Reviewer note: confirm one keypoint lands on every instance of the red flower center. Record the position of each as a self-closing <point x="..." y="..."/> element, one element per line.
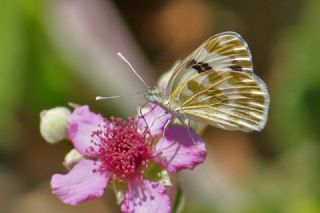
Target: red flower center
<point x="121" y="149"/>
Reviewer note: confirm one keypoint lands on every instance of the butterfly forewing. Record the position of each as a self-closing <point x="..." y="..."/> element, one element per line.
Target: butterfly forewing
<point x="215" y="84"/>
<point x="226" y="51"/>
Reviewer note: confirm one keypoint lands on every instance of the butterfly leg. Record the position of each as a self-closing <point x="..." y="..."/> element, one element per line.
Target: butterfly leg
<point x="153" y="122"/>
<point x="187" y="123"/>
<point x="155" y="119"/>
<point x="166" y="126"/>
<point x="158" y="117"/>
<point x="141" y="115"/>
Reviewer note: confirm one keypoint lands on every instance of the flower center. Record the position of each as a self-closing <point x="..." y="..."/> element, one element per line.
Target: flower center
<point x="121" y="149"/>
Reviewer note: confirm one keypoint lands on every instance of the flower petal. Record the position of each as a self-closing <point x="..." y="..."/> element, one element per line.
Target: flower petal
<point x="80" y="184"/>
<point x="146" y="196"/>
<point x="81" y="124"/>
<point x="155" y="119"/>
<point x="178" y="151"/>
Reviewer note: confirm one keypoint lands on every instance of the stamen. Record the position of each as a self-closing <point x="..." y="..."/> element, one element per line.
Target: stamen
<point x="121" y="149"/>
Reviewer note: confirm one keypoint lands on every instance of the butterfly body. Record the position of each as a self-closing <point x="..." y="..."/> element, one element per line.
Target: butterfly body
<point x="216" y="85"/>
<point x="157" y="97"/>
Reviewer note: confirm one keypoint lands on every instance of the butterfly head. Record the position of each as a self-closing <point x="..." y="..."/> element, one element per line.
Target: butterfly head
<point x="154" y="95"/>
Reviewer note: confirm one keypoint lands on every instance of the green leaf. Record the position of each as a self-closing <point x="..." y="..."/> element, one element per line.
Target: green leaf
<point x="11" y="70"/>
<point x="158" y="174"/>
<point x="179" y="200"/>
<point x="119" y="189"/>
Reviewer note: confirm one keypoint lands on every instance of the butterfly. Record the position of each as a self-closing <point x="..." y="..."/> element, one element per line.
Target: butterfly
<point x="216" y="85"/>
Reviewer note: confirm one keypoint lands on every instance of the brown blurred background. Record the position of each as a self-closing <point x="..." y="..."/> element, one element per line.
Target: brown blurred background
<point x="56" y="51"/>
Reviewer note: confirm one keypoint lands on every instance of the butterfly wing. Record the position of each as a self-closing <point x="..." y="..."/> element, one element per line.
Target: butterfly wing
<point x="227" y="99"/>
<point x="226" y="51"/>
<point x="216" y="84"/>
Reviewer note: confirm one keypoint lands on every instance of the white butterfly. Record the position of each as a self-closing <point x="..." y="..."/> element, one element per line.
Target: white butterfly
<point x="216" y="85"/>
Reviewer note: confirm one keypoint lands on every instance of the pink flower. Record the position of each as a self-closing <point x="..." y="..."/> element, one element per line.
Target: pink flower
<point x="122" y="151"/>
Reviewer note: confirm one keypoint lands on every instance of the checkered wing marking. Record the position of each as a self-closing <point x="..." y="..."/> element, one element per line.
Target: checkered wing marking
<point x="227" y="99"/>
<point x="226" y="51"/>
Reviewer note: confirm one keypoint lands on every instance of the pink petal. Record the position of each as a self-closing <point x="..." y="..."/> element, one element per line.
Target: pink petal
<point x="146" y="196"/>
<point x="81" y="124"/>
<point x="178" y="151"/>
<point x="154" y="120"/>
<point x="80" y="184"/>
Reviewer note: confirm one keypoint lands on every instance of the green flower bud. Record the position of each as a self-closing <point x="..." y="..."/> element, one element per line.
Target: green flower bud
<point x="164" y="78"/>
<point x="72" y="158"/>
<point x="53" y="124"/>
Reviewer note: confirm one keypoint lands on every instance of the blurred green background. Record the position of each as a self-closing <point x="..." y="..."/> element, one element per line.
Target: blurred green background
<point x="53" y="52"/>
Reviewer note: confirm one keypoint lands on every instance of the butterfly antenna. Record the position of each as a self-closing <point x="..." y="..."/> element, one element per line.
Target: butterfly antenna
<point x="133" y="70"/>
<point x="98" y="98"/>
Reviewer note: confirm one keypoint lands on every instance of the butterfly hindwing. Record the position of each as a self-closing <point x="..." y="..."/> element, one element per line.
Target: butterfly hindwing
<point x="228" y="99"/>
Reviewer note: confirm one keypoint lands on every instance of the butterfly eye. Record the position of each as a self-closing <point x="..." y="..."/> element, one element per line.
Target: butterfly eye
<point x="154" y="95"/>
<point x="151" y="97"/>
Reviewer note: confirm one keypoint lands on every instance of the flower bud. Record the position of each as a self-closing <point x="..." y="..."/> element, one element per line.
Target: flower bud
<point x="53" y="124"/>
<point x="165" y="77"/>
<point x="72" y="158"/>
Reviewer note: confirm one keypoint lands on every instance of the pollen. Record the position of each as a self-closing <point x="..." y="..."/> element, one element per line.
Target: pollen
<point x="122" y="150"/>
